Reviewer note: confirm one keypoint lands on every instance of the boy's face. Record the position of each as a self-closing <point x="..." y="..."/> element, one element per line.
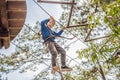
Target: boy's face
<point x="51" y="23"/>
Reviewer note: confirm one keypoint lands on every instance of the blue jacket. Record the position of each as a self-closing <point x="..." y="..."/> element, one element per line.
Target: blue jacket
<point x="46" y="32"/>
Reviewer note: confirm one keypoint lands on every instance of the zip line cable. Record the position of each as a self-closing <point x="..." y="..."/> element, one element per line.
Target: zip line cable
<point x="74" y="36"/>
<point x="30" y="28"/>
<point x="39" y="34"/>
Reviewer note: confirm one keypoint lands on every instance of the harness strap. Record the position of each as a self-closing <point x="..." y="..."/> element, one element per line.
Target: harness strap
<point x="52" y="36"/>
<point x="58" y="36"/>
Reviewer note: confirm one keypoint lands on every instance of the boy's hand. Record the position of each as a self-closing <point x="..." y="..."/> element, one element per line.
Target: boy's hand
<point x="64" y="27"/>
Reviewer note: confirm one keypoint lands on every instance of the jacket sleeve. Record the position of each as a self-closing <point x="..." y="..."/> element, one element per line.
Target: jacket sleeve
<point x="43" y="23"/>
<point x="59" y="33"/>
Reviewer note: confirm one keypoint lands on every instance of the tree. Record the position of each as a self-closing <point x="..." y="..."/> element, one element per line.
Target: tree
<point x="102" y="54"/>
<point x="105" y="16"/>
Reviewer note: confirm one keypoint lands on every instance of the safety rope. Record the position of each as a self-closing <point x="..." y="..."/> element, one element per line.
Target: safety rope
<point x="39" y="34"/>
<point x="30" y="28"/>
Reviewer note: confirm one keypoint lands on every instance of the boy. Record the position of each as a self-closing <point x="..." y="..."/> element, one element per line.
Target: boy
<point x="54" y="48"/>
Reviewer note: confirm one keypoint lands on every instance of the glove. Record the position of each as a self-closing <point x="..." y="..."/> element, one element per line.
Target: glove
<point x="64" y="27"/>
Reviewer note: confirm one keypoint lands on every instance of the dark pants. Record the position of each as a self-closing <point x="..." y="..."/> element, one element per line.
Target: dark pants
<point x="55" y="49"/>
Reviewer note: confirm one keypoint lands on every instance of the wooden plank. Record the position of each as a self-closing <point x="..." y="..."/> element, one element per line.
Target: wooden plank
<point x="12" y="37"/>
<point x="16" y="20"/>
<point x="15" y="27"/>
<point x="54" y="2"/>
<point x="97" y="38"/>
<point x="20" y="10"/>
<point x="16" y="5"/>
<point x="16" y="15"/>
<point x="16" y="23"/>
<point x="14" y="31"/>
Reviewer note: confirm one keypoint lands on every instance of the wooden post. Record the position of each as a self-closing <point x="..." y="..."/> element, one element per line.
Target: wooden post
<point x="70" y="14"/>
<point x="54" y="2"/>
<point x="97" y="38"/>
<point x="77" y="25"/>
<point x="4" y="15"/>
<point x="88" y="34"/>
<point x="1" y="43"/>
<point x="6" y="42"/>
<point x="4" y="31"/>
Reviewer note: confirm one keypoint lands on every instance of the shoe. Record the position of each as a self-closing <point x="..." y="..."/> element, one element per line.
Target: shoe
<point x="55" y="68"/>
<point x="66" y="68"/>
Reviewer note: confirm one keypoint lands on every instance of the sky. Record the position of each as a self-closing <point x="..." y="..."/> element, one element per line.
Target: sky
<point x="34" y="13"/>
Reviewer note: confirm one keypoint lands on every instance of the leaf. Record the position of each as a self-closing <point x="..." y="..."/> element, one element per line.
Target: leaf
<point x="80" y="54"/>
<point x="94" y="57"/>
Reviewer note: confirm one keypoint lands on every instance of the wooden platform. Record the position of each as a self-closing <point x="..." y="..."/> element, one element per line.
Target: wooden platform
<point x="12" y="18"/>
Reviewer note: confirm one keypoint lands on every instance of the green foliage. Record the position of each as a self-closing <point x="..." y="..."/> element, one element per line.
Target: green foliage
<point x="102" y="51"/>
<point x="68" y="77"/>
<point x="2" y="69"/>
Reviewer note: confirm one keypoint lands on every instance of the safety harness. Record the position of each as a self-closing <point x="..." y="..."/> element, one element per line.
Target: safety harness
<point x="53" y="36"/>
